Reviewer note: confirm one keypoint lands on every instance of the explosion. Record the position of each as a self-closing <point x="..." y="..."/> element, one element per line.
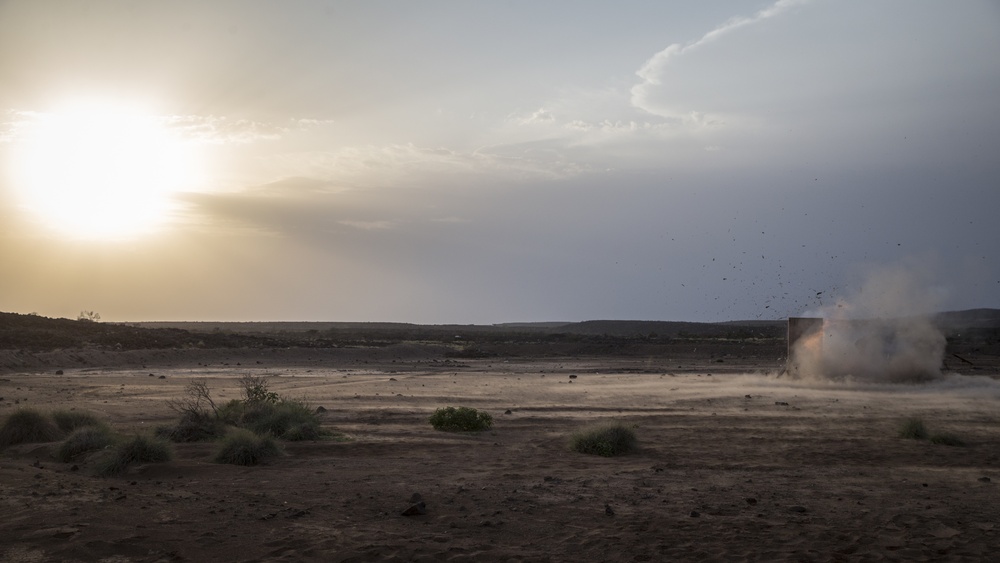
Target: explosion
<point x="870" y="337"/>
<point x="899" y="350"/>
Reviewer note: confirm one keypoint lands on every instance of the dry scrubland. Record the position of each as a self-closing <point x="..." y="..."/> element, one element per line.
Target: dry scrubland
<point x="734" y="462"/>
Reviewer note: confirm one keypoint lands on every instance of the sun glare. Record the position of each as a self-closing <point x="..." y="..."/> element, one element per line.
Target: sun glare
<point x="100" y="173"/>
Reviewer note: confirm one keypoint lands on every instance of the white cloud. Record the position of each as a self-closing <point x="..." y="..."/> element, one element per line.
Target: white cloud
<point x="654" y="71"/>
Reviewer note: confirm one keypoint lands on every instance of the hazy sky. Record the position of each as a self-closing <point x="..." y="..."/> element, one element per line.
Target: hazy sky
<point x="480" y="162"/>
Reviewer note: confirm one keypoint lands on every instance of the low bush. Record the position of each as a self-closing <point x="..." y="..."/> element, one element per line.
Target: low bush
<point x="947" y="440"/>
<point x="25" y="426"/>
<point x="139" y="449"/>
<point x="193" y="427"/>
<point x="608" y="439"/>
<point x="256" y="389"/>
<point x="242" y="447"/>
<point x="277" y="419"/>
<point x="84" y="440"/>
<point x="303" y="431"/>
<point x="913" y="429"/>
<point x="461" y="419"/>
<point x="231" y="412"/>
<point x="68" y="421"/>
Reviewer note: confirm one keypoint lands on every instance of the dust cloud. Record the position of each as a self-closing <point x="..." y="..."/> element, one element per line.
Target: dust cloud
<point x="882" y="334"/>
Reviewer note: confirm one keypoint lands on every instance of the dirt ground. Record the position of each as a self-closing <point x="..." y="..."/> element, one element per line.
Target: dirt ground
<point x="735" y="464"/>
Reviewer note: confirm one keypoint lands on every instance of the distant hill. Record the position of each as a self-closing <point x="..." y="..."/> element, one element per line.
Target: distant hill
<point x="971" y="318"/>
<point x="33" y="332"/>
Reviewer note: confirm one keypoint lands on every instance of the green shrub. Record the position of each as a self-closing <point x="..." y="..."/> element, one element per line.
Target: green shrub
<point x="608" y="439"/>
<point x="139" y="449"/>
<point x="68" y="421"/>
<point x="913" y="429"/>
<point x="193" y="426"/>
<point x="84" y="440"/>
<point x="255" y="389"/>
<point x="947" y="440"/>
<point x="277" y="419"/>
<point x="461" y="419"/>
<point x="302" y="431"/>
<point x="25" y="426"/>
<point x="231" y="412"/>
<point x="243" y="447"/>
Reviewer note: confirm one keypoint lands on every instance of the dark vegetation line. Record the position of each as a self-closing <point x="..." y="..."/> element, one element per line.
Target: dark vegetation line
<point x="39" y="334"/>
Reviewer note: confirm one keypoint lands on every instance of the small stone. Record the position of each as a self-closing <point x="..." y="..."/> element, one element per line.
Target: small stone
<point x="781" y="403"/>
<point x="320" y="409"/>
<point x="572" y="376"/>
<point x="162" y="377"/>
<point x="695" y="514"/>
<point x="59" y="372"/>
<point x="797" y="508"/>
<point x="751" y="501"/>
<point x="608" y="510"/>
<point x="507" y="412"/>
<point x="416" y="509"/>
<point x="984" y="479"/>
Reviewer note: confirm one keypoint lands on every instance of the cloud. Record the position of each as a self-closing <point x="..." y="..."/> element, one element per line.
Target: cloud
<point x="206" y="128"/>
<point x="222" y="129"/>
<point x="653" y="72"/>
<point x="367" y="225"/>
<point x="410" y="165"/>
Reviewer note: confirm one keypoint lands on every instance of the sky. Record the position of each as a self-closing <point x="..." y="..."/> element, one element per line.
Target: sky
<point x="487" y="162"/>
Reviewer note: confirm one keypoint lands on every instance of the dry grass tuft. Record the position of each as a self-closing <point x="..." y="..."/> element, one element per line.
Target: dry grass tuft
<point x="139" y="449"/>
<point x="242" y="447"/>
<point x="608" y="439"/>
<point x="26" y="426"/>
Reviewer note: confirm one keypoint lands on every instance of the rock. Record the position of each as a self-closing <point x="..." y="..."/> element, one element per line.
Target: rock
<point x="416" y="509"/>
<point x="751" y="501"/>
<point x="608" y="510"/>
<point x="507" y="412"/>
<point x="797" y="508"/>
<point x="984" y="479"/>
<point x="320" y="409"/>
<point x="695" y="514"/>
<point x="781" y="403"/>
<point x="572" y="376"/>
<point x="59" y="372"/>
<point x="162" y="377"/>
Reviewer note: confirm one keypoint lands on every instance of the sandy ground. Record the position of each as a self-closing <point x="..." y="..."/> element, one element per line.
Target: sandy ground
<point x="735" y="465"/>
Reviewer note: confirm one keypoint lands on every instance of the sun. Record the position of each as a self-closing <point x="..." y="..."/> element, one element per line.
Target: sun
<point x="100" y="172"/>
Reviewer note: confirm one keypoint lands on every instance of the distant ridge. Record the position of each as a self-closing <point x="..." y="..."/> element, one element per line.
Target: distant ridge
<point x="34" y="332"/>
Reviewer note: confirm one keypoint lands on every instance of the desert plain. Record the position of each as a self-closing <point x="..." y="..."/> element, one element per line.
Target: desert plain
<point x="736" y="462"/>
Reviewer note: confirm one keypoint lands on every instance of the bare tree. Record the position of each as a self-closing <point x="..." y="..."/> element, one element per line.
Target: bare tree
<point x="198" y="397"/>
